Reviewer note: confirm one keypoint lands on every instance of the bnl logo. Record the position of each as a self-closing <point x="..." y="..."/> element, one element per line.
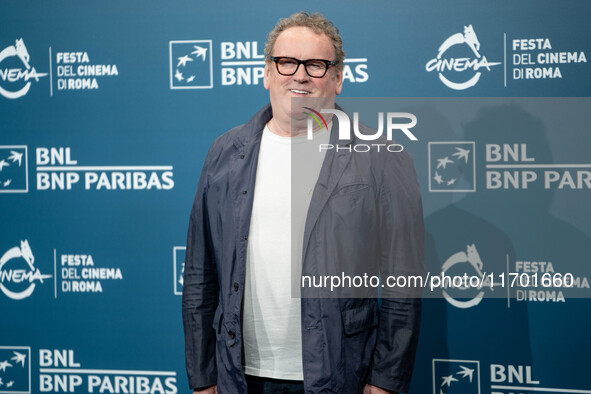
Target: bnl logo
<point x="179" y="268"/>
<point x="14" y="177"/>
<point x="452" y="167"/>
<point x="15" y="369"/>
<point x="456" y="376"/>
<point x="191" y="64"/>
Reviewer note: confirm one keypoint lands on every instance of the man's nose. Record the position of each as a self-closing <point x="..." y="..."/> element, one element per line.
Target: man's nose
<point x="301" y="74"/>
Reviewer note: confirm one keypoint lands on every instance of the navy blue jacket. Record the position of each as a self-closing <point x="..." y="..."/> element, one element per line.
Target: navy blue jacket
<point x="365" y="208"/>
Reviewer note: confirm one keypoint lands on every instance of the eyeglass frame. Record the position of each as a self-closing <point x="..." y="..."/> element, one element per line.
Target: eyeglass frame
<point x="328" y="63"/>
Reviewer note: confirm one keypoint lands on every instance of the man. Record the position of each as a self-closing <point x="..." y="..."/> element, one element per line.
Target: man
<point x="244" y="331"/>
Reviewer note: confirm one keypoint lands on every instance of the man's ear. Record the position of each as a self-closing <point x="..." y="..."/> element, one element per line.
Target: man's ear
<point x="267" y="76"/>
<point x="339" y="86"/>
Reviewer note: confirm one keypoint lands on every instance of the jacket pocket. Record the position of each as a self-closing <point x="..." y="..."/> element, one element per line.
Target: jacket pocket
<point x="350" y="188"/>
<point x="217" y="319"/>
<point x="360" y="319"/>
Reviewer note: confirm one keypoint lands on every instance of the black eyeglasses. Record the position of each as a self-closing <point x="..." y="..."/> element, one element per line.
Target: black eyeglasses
<point x="316" y="68"/>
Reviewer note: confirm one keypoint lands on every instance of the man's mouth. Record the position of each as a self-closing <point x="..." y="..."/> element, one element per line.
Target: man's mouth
<point x="296" y="91"/>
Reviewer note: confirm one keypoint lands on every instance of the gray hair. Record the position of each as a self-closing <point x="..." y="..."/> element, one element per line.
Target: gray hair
<point x="318" y="23"/>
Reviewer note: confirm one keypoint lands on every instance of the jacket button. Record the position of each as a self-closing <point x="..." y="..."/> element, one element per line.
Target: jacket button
<point x="246" y="237"/>
<point x="242" y="156"/>
<point x="243" y="191"/>
<point x="231" y="334"/>
<point x="235" y="286"/>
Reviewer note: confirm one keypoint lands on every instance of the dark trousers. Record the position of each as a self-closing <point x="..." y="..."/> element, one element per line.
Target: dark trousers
<point x="258" y="385"/>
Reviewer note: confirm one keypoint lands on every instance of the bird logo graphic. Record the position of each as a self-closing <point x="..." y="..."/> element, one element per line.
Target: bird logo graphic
<point x="13" y="171"/>
<point x="199" y="52"/>
<point x="456" y="377"/>
<point x="4" y="364"/>
<point x="451" y="166"/>
<point x="19" y="358"/>
<point x="15" y="369"/>
<point x="190" y="64"/>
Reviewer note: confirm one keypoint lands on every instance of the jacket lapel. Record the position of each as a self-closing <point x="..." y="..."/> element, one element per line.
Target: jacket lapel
<point x="242" y="178"/>
<point x="332" y="169"/>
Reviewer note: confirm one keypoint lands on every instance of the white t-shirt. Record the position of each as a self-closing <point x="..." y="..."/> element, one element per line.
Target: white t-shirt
<point x="272" y="317"/>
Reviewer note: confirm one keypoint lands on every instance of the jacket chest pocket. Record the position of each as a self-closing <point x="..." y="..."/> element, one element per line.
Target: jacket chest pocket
<point x="351" y="210"/>
<point x="350" y="197"/>
<point x="351" y="190"/>
<point x="359" y="319"/>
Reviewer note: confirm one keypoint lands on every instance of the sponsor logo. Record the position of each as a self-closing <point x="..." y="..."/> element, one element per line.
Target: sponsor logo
<point x="18" y="274"/>
<point x="511" y="167"/>
<point x="456" y="376"/>
<point x="452" y="167"/>
<point x="16" y="73"/>
<point x="463" y="377"/>
<point x="58" y="170"/>
<point x="316" y="118"/>
<point x="178" y="268"/>
<point x="14" y="175"/>
<point x="59" y="372"/>
<point x="15" y="369"/>
<point x="445" y="64"/>
<point x="240" y="63"/>
<point x="191" y="64"/>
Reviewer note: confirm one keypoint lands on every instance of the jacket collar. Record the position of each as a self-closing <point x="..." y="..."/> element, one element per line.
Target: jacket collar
<point x="254" y="128"/>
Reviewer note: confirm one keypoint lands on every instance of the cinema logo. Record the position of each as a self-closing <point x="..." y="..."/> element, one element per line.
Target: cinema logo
<point x="465" y="294"/>
<point x="58" y="170"/>
<point x="448" y="65"/>
<point x="316" y="120"/>
<point x="18" y="274"/>
<point x="16" y="72"/>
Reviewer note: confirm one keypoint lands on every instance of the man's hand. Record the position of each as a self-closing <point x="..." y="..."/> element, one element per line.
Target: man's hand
<point x="208" y="390"/>
<point x="369" y="389"/>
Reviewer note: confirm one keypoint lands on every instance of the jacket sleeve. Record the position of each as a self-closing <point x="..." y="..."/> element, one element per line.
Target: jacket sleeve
<point x="402" y="254"/>
<point x="200" y="293"/>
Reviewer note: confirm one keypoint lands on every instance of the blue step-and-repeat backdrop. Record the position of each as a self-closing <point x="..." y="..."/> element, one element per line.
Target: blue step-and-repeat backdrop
<point x="107" y="110"/>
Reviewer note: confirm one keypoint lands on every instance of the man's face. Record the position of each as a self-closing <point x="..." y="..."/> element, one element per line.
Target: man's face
<point x="304" y="44"/>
